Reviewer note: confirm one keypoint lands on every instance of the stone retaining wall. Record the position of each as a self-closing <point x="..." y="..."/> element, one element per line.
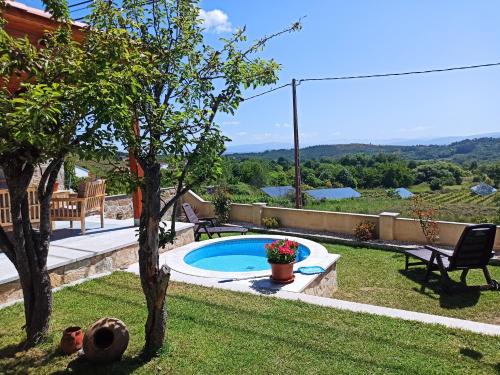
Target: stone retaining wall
<point x="94" y="265"/>
<point x="325" y="284"/>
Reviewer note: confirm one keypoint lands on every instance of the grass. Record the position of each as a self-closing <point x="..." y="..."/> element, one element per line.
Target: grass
<point x="377" y="277"/>
<point x="214" y="331"/>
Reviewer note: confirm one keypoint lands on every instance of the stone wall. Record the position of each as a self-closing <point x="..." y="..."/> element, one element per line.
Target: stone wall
<point x="120" y="206"/>
<point x="325" y="284"/>
<point x="94" y="265"/>
<point x="37" y="176"/>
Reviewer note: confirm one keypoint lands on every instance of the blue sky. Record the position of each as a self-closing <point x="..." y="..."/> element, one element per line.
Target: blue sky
<point x="363" y="37"/>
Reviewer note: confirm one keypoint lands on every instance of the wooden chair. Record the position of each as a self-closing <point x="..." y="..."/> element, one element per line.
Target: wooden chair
<point x="76" y="207"/>
<point x="5" y="216"/>
<point x="473" y="251"/>
<point x="207" y="225"/>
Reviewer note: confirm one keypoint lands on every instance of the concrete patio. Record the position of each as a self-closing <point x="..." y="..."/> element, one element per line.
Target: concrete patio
<point x="73" y="256"/>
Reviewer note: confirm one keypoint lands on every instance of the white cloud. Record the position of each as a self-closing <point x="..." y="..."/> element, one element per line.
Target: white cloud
<point x="230" y="123"/>
<point x="241" y="134"/>
<point x="414" y="129"/>
<point x="284" y="125"/>
<point x="308" y="135"/>
<point x="216" y="21"/>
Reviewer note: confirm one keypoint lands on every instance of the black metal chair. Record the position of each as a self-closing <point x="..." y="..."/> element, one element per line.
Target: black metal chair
<point x="207" y="225"/>
<point x="473" y="251"/>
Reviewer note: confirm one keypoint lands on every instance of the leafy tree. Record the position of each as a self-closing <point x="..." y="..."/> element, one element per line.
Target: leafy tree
<point x="254" y="172"/>
<point x="182" y="83"/>
<point x="436" y="184"/>
<point x="396" y="175"/>
<point x="308" y="177"/>
<point x="448" y="173"/>
<point x="65" y="100"/>
<point x="493" y="172"/>
<point x="346" y="179"/>
<point x="285" y="163"/>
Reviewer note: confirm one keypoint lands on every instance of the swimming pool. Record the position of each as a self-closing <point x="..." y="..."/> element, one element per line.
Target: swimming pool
<point x="237" y="256"/>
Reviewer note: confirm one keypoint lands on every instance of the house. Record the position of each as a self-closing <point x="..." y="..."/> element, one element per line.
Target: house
<point x="37" y="175"/>
<point x="483" y="189"/>
<point x="278" y="191"/>
<point x="81" y="172"/>
<point x="334" y="193"/>
<point x="403" y="193"/>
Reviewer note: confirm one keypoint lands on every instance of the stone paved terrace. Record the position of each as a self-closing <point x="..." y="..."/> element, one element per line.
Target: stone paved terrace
<point x="73" y="256"/>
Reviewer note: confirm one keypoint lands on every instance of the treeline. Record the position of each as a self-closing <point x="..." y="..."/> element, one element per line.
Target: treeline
<point x="479" y="149"/>
<point x="357" y="171"/>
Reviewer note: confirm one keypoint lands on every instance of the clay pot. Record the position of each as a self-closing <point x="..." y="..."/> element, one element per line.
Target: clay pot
<point x="56" y="186"/>
<point x="282" y="273"/>
<point x="71" y="340"/>
<point x="106" y="340"/>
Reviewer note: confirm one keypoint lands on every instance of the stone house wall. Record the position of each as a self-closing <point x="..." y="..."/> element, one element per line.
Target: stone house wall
<point x="120" y="206"/>
<point x="37" y="176"/>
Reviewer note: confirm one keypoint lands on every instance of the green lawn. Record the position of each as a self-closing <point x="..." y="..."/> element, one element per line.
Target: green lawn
<point x="214" y="331"/>
<point x="377" y="277"/>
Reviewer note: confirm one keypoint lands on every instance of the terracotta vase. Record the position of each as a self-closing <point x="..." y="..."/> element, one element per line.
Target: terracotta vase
<point x="106" y="340"/>
<point x="56" y="186"/>
<point x="282" y="272"/>
<point x="72" y="340"/>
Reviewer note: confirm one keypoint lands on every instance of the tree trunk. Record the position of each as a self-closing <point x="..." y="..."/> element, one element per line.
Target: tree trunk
<point x="30" y="250"/>
<point x="154" y="280"/>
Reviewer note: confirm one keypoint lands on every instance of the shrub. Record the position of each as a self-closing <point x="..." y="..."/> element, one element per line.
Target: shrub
<point x="421" y="211"/>
<point x="436" y="184"/>
<point x="365" y="231"/>
<point x="392" y="193"/>
<point x="271" y="222"/>
<point x="222" y="204"/>
<point x="282" y="251"/>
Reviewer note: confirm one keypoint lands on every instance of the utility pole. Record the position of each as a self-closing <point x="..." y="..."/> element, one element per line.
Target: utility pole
<point x="298" y="194"/>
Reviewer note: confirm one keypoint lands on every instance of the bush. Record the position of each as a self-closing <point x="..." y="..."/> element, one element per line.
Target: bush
<point x="436" y="184"/>
<point x="425" y="214"/>
<point x="271" y="222"/>
<point x="222" y="204"/>
<point x="365" y="231"/>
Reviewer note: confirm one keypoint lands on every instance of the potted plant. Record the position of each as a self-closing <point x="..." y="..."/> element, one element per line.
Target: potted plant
<point x="281" y="254"/>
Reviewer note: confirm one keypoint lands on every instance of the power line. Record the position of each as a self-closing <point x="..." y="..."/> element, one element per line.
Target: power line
<point x="80" y="3"/>
<point x="268" y="91"/>
<point x="401" y="73"/>
<point x="81" y="18"/>
<point x="79" y="9"/>
<point x="377" y="76"/>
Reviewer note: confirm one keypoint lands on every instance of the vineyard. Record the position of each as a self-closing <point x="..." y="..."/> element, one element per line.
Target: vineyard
<point x="460" y="197"/>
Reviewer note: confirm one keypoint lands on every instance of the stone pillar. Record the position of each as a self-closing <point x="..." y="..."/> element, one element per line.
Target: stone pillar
<point x="386" y="225"/>
<point x="257" y="212"/>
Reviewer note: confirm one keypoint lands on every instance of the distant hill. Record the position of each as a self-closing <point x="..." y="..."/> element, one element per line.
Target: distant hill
<point x="239" y="149"/>
<point x="480" y="149"/>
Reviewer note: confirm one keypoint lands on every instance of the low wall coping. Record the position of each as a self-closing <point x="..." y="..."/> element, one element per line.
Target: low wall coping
<point x="389" y="214"/>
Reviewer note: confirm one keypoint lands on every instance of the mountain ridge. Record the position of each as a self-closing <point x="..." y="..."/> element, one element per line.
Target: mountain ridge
<point x="480" y="149"/>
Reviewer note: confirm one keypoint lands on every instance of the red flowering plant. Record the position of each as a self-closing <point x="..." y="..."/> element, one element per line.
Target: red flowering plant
<point x="282" y="251"/>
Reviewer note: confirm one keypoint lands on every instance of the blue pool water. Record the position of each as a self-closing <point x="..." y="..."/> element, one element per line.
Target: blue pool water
<point x="242" y="255"/>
